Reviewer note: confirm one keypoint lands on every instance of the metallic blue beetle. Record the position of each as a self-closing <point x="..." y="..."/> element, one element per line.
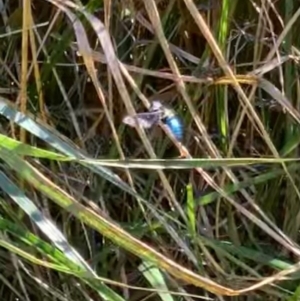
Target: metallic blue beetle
<point x="157" y="112"/>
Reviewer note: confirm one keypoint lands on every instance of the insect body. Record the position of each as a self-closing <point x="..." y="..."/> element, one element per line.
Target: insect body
<point x="158" y="112"/>
<point x="170" y="119"/>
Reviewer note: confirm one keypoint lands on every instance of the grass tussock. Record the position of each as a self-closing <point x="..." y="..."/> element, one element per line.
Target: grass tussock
<point x="94" y="209"/>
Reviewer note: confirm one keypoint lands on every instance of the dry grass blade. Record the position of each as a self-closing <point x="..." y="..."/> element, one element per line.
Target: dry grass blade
<point x="279" y="97"/>
<point x="115" y="69"/>
<point x="86" y="51"/>
<point x="152" y="11"/>
<point x="277" y="277"/>
<point x="283" y="35"/>
<point x="154" y="16"/>
<point x="285" y="241"/>
<point x="37" y="75"/>
<point x="113" y="63"/>
<point x="245" y="101"/>
<point x="151" y="224"/>
<point x="99" y="57"/>
<point x="25" y="45"/>
<point x="269" y="66"/>
<point x="108" y="228"/>
<point x="223" y="64"/>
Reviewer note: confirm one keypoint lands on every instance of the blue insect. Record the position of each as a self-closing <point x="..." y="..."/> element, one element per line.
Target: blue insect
<point x="157" y="112"/>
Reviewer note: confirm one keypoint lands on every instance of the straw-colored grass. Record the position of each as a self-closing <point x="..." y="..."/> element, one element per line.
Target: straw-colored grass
<point x="93" y="209"/>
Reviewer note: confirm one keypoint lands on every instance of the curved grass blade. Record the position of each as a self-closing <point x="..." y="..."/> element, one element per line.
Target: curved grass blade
<point x="58" y="142"/>
<point x="233" y="188"/>
<point x="291" y="144"/>
<point x="26" y="237"/>
<point x="158" y="164"/>
<point x="107" y="228"/>
<point x="45" y="225"/>
<point x="113" y="232"/>
<point x="279" y="97"/>
<point x="22" y="149"/>
<point x="155" y="277"/>
<point x="61" y="262"/>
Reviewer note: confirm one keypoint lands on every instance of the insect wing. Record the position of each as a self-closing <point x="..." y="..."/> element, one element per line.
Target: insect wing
<point x="156" y="106"/>
<point x="145" y="120"/>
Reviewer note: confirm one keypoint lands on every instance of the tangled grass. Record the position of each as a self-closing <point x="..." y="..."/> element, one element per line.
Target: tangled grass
<point x="92" y="209"/>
